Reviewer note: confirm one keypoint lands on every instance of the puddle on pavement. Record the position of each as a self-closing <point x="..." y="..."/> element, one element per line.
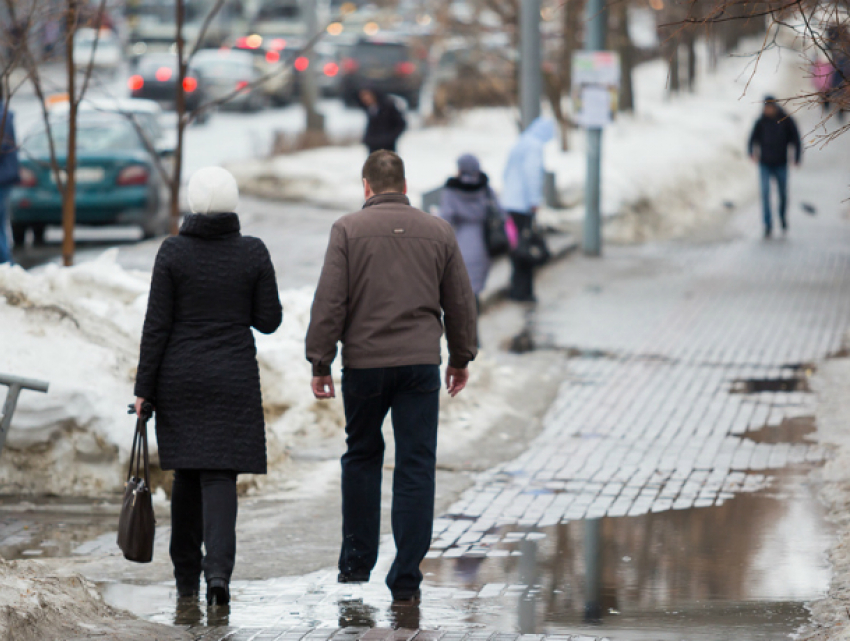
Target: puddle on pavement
<point x="43" y="527"/>
<point x="742" y="570"/>
<point x="790" y="430"/>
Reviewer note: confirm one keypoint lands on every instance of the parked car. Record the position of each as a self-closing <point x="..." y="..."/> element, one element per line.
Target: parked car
<point x="385" y="66"/>
<point x="117" y="182"/>
<point x="270" y="58"/>
<point x="156" y="79"/>
<point x="226" y="70"/>
<point x="105" y="56"/>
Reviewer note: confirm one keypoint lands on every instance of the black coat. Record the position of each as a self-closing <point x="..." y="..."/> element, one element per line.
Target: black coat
<point x="198" y="361"/>
<point x="773" y="136"/>
<point x="385" y="126"/>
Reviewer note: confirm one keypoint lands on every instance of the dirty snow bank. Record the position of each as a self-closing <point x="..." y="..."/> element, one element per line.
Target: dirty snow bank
<point x="37" y="604"/>
<point x="666" y="168"/>
<point x="79" y="329"/>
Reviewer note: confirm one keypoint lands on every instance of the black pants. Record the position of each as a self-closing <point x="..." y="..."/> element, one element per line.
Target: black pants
<point x="522" y="278"/>
<point x="203" y="512"/>
<point x="412" y="393"/>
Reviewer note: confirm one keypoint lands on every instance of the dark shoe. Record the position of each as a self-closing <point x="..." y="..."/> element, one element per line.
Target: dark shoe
<point x="767" y="232"/>
<point x="410" y="598"/>
<point x="188" y="591"/>
<point x="218" y="592"/>
<point x="353" y="577"/>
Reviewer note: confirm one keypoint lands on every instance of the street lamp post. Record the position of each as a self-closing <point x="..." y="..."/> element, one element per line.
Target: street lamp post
<point x="530" y="78"/>
<point x="597" y="23"/>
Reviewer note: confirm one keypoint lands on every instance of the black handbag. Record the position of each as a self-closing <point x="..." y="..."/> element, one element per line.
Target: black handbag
<point x="495" y="236"/>
<point x="531" y="249"/>
<point x="136" y="525"/>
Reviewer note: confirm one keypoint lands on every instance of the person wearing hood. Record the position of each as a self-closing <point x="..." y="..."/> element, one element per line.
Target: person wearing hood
<point x="772" y="134"/>
<point x="464" y="203"/>
<point x="522" y="193"/>
<point x="198" y="368"/>
<point x="385" y="123"/>
<point x="9" y="177"/>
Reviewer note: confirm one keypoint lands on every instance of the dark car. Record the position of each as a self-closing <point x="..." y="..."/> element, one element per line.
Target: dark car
<point x="117" y="181"/>
<point x="156" y="79"/>
<point x="384" y="66"/>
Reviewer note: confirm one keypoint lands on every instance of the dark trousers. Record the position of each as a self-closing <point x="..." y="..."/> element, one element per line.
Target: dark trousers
<point x="522" y="278"/>
<point x="412" y="393"/>
<point x="203" y="512"/>
<point x="780" y="175"/>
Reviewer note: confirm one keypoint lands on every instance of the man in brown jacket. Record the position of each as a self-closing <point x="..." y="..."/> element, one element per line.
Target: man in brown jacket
<point x="393" y="276"/>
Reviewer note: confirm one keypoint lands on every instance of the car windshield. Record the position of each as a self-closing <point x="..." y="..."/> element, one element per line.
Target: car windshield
<point x="223" y="68"/>
<point x="149" y="64"/>
<point x="91" y="137"/>
<point x="279" y="11"/>
<point x="380" y="54"/>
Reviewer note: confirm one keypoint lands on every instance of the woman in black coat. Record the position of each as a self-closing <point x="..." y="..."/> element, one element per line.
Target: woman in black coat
<point x="198" y="367"/>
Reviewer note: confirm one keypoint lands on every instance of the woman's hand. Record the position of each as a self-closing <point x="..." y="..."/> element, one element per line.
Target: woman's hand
<point x="139" y="402"/>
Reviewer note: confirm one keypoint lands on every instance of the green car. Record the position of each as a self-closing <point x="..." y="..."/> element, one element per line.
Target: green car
<point x="117" y="181"/>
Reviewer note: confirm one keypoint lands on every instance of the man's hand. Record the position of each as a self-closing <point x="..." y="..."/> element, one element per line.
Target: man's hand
<point x="456" y="380"/>
<point x="323" y="387"/>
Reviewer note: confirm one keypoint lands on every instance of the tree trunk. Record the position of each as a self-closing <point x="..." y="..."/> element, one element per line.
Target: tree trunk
<point x="626" y="100"/>
<point x="673" y="65"/>
<point x="690" y="42"/>
<point x="180" y="107"/>
<point x="69" y="194"/>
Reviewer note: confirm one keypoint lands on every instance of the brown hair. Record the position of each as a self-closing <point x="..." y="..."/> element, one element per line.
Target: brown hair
<point x="384" y="171"/>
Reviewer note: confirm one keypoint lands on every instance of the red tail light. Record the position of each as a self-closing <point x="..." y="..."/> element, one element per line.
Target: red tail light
<point x="136" y="83"/>
<point x="350" y="65"/>
<point x="242" y="42"/>
<point x="272" y="56"/>
<point x="133" y="175"/>
<point x="28" y="178"/>
<point x="331" y="69"/>
<point x="405" y="68"/>
<point x="189" y="84"/>
<point x="163" y="74"/>
<point x="302" y="63"/>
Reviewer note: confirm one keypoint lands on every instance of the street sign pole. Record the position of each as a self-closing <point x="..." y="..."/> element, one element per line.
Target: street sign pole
<point x="530" y="79"/>
<point x="597" y="23"/>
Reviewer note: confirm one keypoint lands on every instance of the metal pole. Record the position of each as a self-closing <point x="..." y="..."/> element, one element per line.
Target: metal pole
<point x="309" y="87"/>
<point x="15" y="385"/>
<point x="530" y="78"/>
<point x="597" y="23"/>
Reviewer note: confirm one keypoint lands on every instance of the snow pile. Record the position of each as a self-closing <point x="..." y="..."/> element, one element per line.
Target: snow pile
<point x="665" y="167"/>
<point x="79" y="329"/>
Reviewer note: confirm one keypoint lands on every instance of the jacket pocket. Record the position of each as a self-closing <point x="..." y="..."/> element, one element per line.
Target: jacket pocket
<point x="363" y="383"/>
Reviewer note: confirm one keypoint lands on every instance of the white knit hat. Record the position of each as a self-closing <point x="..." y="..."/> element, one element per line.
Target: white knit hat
<point x="213" y="190"/>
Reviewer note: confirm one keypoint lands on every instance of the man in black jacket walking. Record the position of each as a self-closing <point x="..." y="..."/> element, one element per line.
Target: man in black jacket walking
<point x="772" y="134"/>
<point x="386" y="123"/>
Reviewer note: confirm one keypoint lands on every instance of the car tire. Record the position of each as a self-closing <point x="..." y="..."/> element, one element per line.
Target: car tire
<point x="19" y="234"/>
<point x="38" y="232"/>
<point x="413" y="101"/>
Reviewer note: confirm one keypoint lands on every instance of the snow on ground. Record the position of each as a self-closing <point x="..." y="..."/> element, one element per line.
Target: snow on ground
<point x="79" y="329"/>
<point x="668" y="164"/>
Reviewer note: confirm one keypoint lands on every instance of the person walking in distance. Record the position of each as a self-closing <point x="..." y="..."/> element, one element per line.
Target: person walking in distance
<point x="385" y="122"/>
<point x="392" y="277"/>
<point x="464" y="203"/>
<point x="522" y="193"/>
<point x="772" y="134"/>
<point x="198" y="367"/>
<point x="9" y="175"/>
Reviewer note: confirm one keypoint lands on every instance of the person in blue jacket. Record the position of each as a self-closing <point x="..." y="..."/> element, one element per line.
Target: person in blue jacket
<point x="8" y="176"/>
<point x="522" y="193"/>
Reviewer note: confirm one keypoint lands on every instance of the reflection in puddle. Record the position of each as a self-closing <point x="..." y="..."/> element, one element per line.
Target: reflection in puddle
<point x="741" y="570"/>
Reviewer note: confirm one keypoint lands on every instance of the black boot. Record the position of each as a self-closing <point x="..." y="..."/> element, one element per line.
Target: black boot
<point x="218" y="592"/>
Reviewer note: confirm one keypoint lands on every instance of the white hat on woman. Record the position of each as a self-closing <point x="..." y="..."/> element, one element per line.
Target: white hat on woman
<point x="213" y="190"/>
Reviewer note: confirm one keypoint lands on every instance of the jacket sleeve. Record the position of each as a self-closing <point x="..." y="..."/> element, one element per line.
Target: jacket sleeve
<point x="534" y="176"/>
<point x="754" y="138"/>
<point x="267" y="312"/>
<point x="447" y="211"/>
<point x="794" y="138"/>
<point x="330" y="305"/>
<point x="157" y="327"/>
<point x="459" y="310"/>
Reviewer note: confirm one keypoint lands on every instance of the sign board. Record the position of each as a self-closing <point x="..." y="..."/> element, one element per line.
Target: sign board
<point x="595" y="87"/>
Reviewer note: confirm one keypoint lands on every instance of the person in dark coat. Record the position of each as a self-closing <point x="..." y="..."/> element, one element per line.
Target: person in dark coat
<point x="772" y="134"/>
<point x="9" y="175"/>
<point x="385" y="122"/>
<point x="198" y="367"/>
<point x="464" y="203"/>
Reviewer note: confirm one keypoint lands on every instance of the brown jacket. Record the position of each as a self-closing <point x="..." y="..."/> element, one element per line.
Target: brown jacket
<point x="392" y="275"/>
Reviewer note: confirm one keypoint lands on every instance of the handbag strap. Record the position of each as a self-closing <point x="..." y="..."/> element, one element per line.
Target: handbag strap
<point x="140" y="443"/>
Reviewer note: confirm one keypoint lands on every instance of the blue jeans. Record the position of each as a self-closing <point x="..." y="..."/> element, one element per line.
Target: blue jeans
<point x="780" y="175"/>
<point x="5" y="249"/>
<point x="412" y="393"/>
